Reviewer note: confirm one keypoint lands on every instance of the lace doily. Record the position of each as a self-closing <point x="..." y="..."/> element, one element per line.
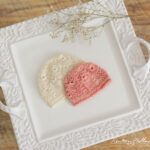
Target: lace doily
<point x="83" y="81"/>
<point x="52" y="76"/>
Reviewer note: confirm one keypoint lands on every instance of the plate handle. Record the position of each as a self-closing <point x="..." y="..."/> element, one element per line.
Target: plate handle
<point x="141" y="72"/>
<point x="15" y="111"/>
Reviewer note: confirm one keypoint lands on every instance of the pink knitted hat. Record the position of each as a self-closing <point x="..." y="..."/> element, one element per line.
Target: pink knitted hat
<point x="83" y="81"/>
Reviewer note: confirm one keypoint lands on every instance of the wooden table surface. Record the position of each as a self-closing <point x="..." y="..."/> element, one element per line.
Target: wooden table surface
<point x="13" y="11"/>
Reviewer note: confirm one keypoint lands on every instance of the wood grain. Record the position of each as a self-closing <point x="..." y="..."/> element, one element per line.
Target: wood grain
<point x="14" y="11"/>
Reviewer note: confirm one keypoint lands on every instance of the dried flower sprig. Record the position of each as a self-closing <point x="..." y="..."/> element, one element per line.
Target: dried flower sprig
<point x="84" y="22"/>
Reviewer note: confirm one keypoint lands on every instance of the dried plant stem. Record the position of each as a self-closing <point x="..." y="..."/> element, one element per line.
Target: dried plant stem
<point x="72" y="23"/>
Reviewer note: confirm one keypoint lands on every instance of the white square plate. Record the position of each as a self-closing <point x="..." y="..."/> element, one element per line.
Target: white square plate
<point x="114" y="111"/>
<point x="116" y="99"/>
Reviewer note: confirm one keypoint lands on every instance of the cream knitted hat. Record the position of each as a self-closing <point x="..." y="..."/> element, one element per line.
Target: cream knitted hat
<point x="52" y="75"/>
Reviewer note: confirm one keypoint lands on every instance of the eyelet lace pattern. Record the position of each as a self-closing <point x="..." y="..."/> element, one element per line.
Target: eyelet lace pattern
<point x="52" y="76"/>
<point x="83" y="81"/>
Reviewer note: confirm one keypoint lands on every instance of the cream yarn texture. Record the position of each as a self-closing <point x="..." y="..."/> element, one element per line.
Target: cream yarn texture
<point x="51" y="77"/>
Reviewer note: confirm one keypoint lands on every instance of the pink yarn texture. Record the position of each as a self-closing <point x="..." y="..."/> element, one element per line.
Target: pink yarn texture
<point x="83" y="81"/>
